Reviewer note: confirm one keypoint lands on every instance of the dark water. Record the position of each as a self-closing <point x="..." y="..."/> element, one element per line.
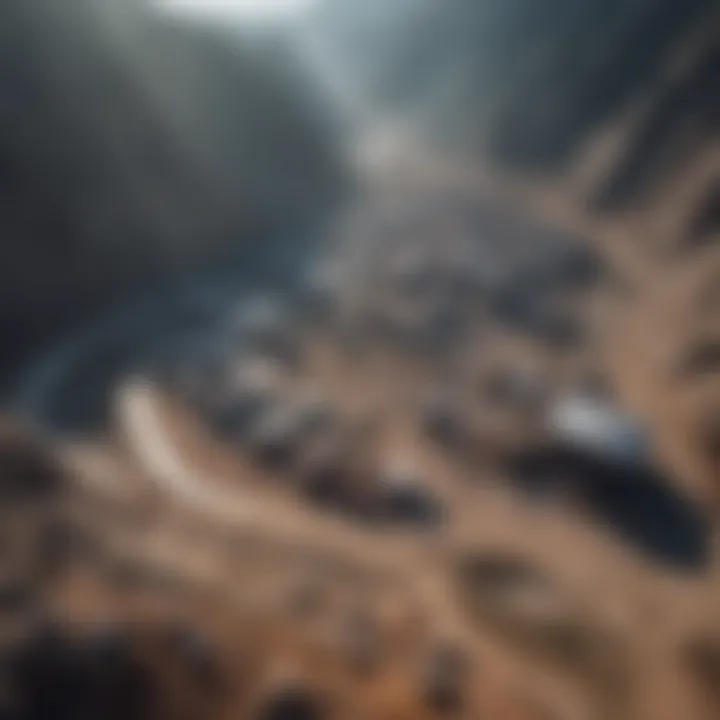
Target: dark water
<point x="635" y="502"/>
<point x="66" y="389"/>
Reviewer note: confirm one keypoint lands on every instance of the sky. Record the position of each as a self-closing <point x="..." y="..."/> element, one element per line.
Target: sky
<point x="240" y="10"/>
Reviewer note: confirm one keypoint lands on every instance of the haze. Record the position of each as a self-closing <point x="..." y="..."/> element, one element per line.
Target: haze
<point x="242" y="10"/>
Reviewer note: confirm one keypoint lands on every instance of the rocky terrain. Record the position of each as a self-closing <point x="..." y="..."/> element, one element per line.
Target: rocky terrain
<point x="409" y="487"/>
<point x="460" y="461"/>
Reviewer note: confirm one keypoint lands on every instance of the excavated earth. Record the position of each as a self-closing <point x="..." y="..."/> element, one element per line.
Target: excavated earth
<point x="344" y="499"/>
